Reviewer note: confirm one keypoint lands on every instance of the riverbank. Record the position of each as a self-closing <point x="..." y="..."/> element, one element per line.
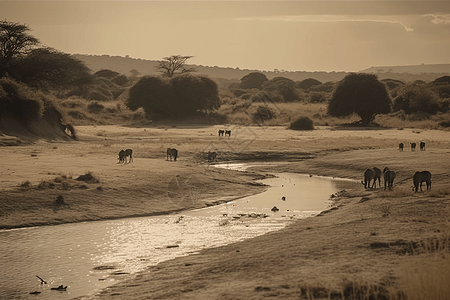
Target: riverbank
<point x="373" y="243"/>
<point x="362" y="242"/>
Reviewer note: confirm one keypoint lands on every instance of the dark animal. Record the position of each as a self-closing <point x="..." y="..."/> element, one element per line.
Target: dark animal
<point x="129" y="153"/>
<point x="400" y="147"/>
<point x="212" y="155"/>
<point x="59" y="288"/>
<point x="413" y="146"/>
<point x="422" y="146"/>
<point x="389" y="177"/>
<point x="172" y="152"/>
<point x="221" y="132"/>
<point x="419" y="178"/>
<point x="228" y="132"/>
<point x="377" y="176"/>
<point x="35" y="293"/>
<point x="274" y="209"/>
<point x="369" y="175"/>
<point x="121" y="156"/>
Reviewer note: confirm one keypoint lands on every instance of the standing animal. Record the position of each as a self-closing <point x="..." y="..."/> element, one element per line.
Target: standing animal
<point x="228" y="132"/>
<point x="389" y="177"/>
<point x="172" y="152"/>
<point x="369" y="175"/>
<point x="129" y="153"/>
<point x="413" y="146"/>
<point x="422" y="146"/>
<point x="221" y="132"/>
<point x="419" y="178"/>
<point x="121" y="156"/>
<point x="400" y="147"/>
<point x="212" y="155"/>
<point x="377" y="176"/>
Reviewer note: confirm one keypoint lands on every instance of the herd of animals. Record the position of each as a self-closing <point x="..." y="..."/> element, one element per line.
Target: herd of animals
<point x="413" y="146"/>
<point x="374" y="174"/>
<point x="171" y="152"/>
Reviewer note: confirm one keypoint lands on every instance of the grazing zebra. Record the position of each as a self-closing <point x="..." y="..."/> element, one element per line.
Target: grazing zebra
<point x="121" y="156"/>
<point x="221" y="132"/>
<point x="422" y="146"/>
<point x="377" y="176"/>
<point x="172" y="152"/>
<point x="212" y="155"/>
<point x="228" y="132"/>
<point x="400" y="147"/>
<point x="128" y="152"/>
<point x="413" y="146"/>
<point x="369" y="175"/>
<point x="389" y="177"/>
<point x="419" y="178"/>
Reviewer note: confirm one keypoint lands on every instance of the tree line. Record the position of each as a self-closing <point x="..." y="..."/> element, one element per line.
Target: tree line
<point x="179" y="91"/>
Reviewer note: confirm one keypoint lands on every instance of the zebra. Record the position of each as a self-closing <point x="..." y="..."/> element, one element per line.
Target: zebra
<point x="221" y="132"/>
<point x="369" y="175"/>
<point x="228" y="132"/>
<point x="422" y="146"/>
<point x="389" y="177"/>
<point x="123" y="154"/>
<point x="400" y="147"/>
<point x="172" y="152"/>
<point x="377" y="176"/>
<point x="419" y="178"/>
<point x="413" y="146"/>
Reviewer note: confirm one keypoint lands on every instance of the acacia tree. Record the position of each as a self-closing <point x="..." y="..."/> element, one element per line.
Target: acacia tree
<point x="360" y="93"/>
<point x="172" y="65"/>
<point x="14" y="41"/>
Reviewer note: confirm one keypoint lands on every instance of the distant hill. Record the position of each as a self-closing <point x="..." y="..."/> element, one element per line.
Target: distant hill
<point x="415" y="69"/>
<point x="124" y="65"/>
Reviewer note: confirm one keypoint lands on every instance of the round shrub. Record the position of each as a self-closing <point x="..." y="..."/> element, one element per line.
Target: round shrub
<point x="302" y="123"/>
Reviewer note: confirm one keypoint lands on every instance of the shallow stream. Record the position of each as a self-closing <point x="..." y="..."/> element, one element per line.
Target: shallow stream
<point x="87" y="257"/>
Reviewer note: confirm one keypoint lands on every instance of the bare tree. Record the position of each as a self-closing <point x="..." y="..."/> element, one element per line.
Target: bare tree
<point x="14" y="41"/>
<point x="175" y="64"/>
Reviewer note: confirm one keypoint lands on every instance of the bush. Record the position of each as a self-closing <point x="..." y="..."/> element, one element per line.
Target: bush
<point x="95" y="107"/>
<point x="302" y="123"/>
<point x="318" y="97"/>
<point x="417" y="97"/>
<point x="19" y="102"/>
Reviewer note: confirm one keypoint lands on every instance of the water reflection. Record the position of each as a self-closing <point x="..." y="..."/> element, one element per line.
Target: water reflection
<point x="90" y="256"/>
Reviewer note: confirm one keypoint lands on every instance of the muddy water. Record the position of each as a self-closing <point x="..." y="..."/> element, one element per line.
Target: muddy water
<point x="87" y="257"/>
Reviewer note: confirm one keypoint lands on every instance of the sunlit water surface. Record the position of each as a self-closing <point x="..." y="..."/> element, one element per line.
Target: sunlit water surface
<point x="87" y="257"/>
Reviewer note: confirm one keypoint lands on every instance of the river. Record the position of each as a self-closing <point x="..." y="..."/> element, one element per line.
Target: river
<point x="87" y="257"/>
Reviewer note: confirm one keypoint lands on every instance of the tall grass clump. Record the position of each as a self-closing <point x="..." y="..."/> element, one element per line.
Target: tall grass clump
<point x="426" y="274"/>
<point x="302" y="123"/>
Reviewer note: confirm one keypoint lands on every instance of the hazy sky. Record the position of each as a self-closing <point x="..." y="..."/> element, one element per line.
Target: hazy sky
<point x="264" y="35"/>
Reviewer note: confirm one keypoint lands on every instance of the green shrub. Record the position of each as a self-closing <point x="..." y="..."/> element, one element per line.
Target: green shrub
<point x="302" y="123"/>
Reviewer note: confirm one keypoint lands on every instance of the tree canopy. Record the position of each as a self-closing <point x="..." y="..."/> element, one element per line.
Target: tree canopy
<point x="360" y="93"/>
<point x="181" y="95"/>
<point x="14" y="41"/>
<point x="253" y="80"/>
<point x="173" y="65"/>
<point x="47" y="68"/>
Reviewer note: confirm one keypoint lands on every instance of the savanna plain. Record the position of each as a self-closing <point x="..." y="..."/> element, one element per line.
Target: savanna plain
<point x="370" y="244"/>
